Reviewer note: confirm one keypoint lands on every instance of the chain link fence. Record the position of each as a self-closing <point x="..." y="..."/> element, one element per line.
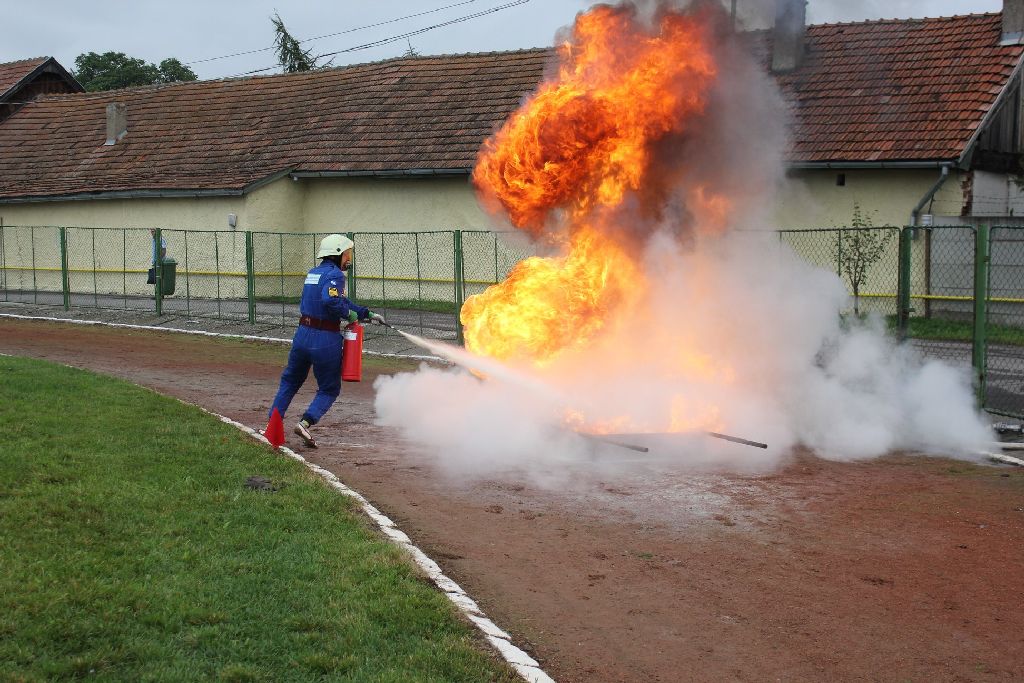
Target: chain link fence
<point x="940" y="317"/>
<point x="1003" y="377"/>
<point x="418" y="280"/>
<point x="866" y="259"/>
<point x="957" y="292"/>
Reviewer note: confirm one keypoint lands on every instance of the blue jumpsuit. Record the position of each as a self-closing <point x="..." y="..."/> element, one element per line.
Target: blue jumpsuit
<point x="323" y="297"/>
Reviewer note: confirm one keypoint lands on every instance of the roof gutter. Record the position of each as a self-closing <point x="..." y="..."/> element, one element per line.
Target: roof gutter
<point x="150" y="194"/>
<point x="811" y="165"/>
<point x="393" y="173"/>
<point x="929" y="195"/>
<point x="122" y="194"/>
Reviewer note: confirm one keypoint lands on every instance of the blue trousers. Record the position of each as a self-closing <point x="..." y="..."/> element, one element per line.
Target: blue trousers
<point x="320" y="350"/>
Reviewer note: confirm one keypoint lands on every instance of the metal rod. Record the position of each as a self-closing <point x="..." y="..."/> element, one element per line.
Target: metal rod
<point x="736" y="439"/>
<point x="714" y="435"/>
<point x="613" y="442"/>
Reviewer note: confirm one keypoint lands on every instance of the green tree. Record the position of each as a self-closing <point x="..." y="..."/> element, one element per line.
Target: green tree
<point x="173" y="71"/>
<point x="856" y="250"/>
<point x="113" y="70"/>
<point x="290" y="54"/>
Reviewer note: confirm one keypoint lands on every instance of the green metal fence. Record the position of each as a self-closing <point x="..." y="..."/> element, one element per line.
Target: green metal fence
<point x="957" y="292"/>
<point x="1001" y="320"/>
<point x="419" y="279"/>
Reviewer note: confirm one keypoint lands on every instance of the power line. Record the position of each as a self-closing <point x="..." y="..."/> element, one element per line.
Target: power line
<point x="331" y="35"/>
<point x="402" y="36"/>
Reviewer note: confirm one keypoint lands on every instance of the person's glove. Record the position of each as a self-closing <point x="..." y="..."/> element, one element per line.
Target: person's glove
<point x="353" y="317"/>
<point x="376" y="318"/>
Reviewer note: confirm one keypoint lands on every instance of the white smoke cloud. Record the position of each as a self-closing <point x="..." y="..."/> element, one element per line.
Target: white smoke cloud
<point x="774" y="363"/>
<point x="736" y="334"/>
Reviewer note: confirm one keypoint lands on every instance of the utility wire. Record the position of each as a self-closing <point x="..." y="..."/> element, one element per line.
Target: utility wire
<point x="402" y="36"/>
<point x="339" y="33"/>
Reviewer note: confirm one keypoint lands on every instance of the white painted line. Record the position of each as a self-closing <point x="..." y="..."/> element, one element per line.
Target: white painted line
<point x="524" y="664"/>
<point x="201" y="333"/>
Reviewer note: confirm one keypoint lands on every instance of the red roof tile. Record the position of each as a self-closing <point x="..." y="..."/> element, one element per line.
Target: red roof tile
<point x="900" y="90"/>
<point x="873" y="91"/>
<point x="11" y="73"/>
<point x="397" y="115"/>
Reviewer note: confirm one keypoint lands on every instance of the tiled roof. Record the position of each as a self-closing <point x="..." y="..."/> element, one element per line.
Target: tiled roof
<point x="11" y="73"/>
<point x="914" y="89"/>
<point x="901" y="90"/>
<point x="402" y="114"/>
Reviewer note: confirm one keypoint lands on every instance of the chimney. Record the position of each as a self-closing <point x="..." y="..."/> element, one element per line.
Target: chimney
<point x="788" y="34"/>
<point x="1013" y="22"/>
<point x="117" y="122"/>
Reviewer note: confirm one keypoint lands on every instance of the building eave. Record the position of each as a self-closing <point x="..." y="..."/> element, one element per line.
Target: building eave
<point x="968" y="152"/>
<point x="123" y="194"/>
<point x="391" y="173"/>
<point x="27" y="78"/>
<point x="168" y="193"/>
<point x="890" y="164"/>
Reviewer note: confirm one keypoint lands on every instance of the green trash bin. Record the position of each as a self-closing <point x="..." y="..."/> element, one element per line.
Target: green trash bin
<point x="168" y="275"/>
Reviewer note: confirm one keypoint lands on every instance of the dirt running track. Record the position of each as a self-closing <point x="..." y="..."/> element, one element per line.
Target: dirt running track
<point x="905" y="569"/>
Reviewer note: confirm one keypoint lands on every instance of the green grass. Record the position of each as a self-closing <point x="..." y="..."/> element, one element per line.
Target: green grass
<point x="953" y="330"/>
<point x="131" y="550"/>
<point x="426" y="306"/>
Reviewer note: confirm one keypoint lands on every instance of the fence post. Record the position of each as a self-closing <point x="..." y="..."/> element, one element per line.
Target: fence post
<point x="903" y="286"/>
<point x="3" y="260"/>
<point x="460" y="287"/>
<point x="65" y="282"/>
<point x="352" y="269"/>
<point x="158" y="268"/>
<point x="981" y="293"/>
<point x="250" y="277"/>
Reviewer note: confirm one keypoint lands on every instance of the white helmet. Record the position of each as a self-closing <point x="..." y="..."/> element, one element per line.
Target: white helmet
<point x="334" y="245"/>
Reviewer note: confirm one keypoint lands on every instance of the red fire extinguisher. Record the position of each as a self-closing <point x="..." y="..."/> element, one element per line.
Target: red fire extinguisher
<point x="352" y="354"/>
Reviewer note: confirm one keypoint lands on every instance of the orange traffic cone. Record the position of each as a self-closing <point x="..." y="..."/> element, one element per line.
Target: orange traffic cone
<point x="274" y="433"/>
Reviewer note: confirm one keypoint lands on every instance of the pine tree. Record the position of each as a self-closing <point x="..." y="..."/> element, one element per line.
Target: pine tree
<point x="290" y="54"/>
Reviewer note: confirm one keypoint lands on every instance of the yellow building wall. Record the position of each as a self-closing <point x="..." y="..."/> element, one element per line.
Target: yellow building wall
<point x="180" y="213"/>
<point x="279" y="206"/>
<point x="407" y="266"/>
<point x="212" y="255"/>
<point x="396" y="266"/>
<point x="392" y="204"/>
<point x="812" y="198"/>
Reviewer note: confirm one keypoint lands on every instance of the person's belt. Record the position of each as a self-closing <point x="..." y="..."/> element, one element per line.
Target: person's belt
<point x="318" y="324"/>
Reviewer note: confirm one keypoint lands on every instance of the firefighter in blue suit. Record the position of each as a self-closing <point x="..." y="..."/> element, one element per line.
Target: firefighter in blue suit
<point x="318" y="340"/>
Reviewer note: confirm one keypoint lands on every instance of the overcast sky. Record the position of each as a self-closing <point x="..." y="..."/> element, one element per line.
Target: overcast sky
<point x="193" y="30"/>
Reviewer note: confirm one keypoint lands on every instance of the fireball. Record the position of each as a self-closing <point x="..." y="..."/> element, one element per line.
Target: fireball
<point x="574" y="167"/>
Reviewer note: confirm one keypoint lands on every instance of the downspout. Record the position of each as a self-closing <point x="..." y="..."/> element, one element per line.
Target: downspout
<point x="916" y="213"/>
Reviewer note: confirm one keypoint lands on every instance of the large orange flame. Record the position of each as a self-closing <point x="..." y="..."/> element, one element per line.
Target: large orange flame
<point x="548" y="305"/>
<point x="569" y="159"/>
<point x="588" y="137"/>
